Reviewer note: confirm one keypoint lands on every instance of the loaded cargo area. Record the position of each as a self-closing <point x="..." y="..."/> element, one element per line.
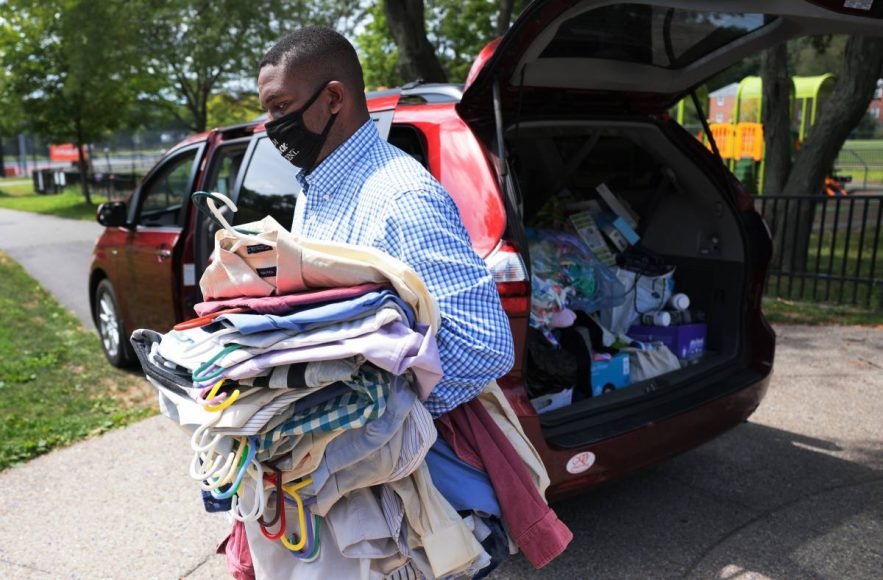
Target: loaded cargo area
<point x="637" y="266"/>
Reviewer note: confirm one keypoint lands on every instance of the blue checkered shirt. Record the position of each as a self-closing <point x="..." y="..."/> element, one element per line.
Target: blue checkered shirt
<point x="369" y="193"/>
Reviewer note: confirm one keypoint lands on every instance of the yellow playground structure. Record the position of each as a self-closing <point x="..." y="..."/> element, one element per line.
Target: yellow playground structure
<point x="741" y="140"/>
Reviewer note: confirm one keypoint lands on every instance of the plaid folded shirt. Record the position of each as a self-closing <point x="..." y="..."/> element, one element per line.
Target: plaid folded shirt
<point x="366" y="402"/>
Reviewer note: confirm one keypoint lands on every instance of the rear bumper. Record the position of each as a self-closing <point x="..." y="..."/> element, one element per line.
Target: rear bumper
<point x="619" y="456"/>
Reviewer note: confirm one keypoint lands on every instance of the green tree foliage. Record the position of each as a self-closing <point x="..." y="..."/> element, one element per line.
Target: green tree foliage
<point x="377" y="51"/>
<point x="69" y="63"/>
<point x="230" y="109"/>
<point x="458" y="29"/>
<point x="193" y="48"/>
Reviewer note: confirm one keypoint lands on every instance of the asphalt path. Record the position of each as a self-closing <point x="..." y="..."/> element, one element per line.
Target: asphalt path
<point x="56" y="252"/>
<point x="797" y="492"/>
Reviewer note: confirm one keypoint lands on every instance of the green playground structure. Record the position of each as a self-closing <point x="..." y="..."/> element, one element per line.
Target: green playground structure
<point x="741" y="140"/>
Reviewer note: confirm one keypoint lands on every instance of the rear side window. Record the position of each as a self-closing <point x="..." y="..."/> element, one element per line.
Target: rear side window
<point x="270" y="187"/>
<point x="654" y="35"/>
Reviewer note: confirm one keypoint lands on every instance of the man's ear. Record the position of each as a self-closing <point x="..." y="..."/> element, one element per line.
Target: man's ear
<point x="338" y="93"/>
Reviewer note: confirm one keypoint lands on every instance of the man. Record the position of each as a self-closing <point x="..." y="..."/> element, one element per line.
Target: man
<point x="358" y="189"/>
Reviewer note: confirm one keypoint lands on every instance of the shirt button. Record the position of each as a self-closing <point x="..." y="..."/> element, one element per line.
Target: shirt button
<point x="326" y="197"/>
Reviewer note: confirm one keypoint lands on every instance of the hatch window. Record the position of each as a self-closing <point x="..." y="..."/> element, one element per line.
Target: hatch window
<point x="660" y="36"/>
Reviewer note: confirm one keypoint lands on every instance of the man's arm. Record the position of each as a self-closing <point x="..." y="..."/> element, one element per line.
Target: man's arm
<point x="423" y="229"/>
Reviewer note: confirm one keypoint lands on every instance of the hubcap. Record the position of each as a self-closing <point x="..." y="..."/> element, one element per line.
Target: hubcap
<point x="108" y="325"/>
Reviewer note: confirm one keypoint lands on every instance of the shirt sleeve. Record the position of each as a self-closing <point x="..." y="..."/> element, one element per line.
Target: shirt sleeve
<point x="423" y="229"/>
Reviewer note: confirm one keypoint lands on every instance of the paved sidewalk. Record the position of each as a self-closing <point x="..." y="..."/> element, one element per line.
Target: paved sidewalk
<point x="118" y="506"/>
<point x="56" y="252"/>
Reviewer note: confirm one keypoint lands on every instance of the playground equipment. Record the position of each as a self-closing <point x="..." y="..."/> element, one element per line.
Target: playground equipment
<point x="741" y="141"/>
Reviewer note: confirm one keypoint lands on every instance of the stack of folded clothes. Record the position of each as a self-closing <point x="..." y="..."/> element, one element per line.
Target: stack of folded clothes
<point x="302" y="381"/>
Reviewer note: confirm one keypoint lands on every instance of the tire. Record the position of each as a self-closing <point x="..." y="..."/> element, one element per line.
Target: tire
<point x="112" y="332"/>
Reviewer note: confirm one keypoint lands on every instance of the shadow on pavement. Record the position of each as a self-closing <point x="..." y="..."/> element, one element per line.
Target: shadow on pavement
<point x="757" y="500"/>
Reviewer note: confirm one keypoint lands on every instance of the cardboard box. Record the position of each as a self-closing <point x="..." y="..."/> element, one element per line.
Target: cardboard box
<point x="619" y="206"/>
<point x="610" y="374"/>
<point x="617" y="230"/>
<point x="686" y="341"/>
<point x="588" y="230"/>
<point x="630" y="235"/>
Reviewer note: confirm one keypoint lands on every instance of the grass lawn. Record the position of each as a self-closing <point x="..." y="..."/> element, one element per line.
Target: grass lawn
<point x="55" y="385"/>
<point x="18" y="194"/>
<point x="780" y="310"/>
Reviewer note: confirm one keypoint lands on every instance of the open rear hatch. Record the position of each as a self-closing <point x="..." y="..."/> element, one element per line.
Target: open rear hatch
<point x="619" y="210"/>
<point x="636" y="57"/>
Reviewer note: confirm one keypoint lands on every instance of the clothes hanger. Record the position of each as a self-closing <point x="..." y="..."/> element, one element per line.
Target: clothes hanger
<point x="311" y="551"/>
<point x="206" y="319"/>
<point x="249" y="459"/>
<point x="215" y="467"/>
<point x="198" y="439"/>
<point x="212" y="396"/>
<point x="197" y="374"/>
<point x="226" y="474"/>
<point x="279" y="516"/>
<point x="212" y="212"/>
<point x="301" y="517"/>
<point x="256" y="471"/>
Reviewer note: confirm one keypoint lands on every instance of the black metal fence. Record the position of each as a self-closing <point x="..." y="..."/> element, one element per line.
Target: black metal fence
<point x="826" y="249"/>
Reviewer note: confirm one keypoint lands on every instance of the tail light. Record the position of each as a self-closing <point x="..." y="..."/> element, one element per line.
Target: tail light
<point x="510" y="276"/>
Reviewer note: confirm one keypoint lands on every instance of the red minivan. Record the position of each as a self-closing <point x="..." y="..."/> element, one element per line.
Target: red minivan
<point x="575" y="94"/>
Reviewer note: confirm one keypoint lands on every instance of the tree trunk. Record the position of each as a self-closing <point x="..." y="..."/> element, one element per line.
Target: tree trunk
<point x="2" y="159"/>
<point x="504" y="17"/>
<point x="777" y="92"/>
<point x="417" y="58"/>
<point x="838" y="116"/>
<point x="776" y="123"/>
<point x="81" y="163"/>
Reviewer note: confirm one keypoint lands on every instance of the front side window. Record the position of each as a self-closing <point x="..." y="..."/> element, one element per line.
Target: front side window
<point x="270" y="187"/>
<point x="163" y="198"/>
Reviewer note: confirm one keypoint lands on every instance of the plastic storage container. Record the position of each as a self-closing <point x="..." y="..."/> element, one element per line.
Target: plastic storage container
<point x="687" y="341"/>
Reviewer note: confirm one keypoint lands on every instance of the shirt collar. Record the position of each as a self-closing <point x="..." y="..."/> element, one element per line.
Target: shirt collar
<point x="327" y="176"/>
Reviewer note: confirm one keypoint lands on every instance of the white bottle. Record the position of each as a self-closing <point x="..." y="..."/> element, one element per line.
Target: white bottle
<point x="656" y="319"/>
<point x="679" y="301"/>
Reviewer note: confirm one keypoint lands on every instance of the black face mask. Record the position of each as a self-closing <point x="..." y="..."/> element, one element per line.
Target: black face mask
<point x="293" y="140"/>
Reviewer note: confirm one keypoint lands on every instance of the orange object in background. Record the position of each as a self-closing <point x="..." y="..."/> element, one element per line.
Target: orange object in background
<point x="64" y="152"/>
<point x="725" y="137"/>
<point x="749" y="141"/>
<point x="834" y="188"/>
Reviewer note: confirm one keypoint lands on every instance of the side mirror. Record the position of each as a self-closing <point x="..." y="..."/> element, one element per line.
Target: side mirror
<point x="111" y="214"/>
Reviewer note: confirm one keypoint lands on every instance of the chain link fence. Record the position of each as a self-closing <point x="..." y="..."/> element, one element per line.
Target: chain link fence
<point x="863" y="164"/>
<point x="131" y="153"/>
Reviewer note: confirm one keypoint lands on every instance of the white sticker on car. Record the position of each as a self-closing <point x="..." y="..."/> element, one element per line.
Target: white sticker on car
<point x="190" y="274"/>
<point x="581" y="462"/>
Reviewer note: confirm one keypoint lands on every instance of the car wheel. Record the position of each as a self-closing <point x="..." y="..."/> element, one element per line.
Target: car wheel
<point x="111" y="329"/>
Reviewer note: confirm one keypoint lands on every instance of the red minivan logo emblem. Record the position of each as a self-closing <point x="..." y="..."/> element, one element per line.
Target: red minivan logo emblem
<point x="581" y="462"/>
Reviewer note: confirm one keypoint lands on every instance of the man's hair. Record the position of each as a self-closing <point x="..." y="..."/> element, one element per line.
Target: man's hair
<point x="321" y="52"/>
